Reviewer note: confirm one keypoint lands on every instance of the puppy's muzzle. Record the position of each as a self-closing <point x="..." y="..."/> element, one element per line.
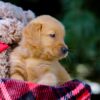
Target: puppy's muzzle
<point x="64" y="50"/>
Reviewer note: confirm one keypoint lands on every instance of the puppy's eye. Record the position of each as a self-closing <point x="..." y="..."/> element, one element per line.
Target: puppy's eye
<point x="52" y="35"/>
<point x="0" y="36"/>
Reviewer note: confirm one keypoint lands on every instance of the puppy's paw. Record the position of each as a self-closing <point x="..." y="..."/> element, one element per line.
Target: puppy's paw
<point x="48" y="79"/>
<point x="17" y="77"/>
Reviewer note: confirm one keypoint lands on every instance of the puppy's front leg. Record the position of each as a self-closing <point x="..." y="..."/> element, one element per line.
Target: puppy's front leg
<point x="48" y="79"/>
<point x="17" y="73"/>
<point x="17" y="76"/>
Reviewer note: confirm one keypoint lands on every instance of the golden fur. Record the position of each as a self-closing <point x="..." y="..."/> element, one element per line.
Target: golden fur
<point x="36" y="57"/>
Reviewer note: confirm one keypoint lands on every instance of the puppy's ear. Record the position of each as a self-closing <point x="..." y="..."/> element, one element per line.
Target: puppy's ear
<point x="32" y="33"/>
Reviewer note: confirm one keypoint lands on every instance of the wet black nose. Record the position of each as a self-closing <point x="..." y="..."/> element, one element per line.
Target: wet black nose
<point x="64" y="50"/>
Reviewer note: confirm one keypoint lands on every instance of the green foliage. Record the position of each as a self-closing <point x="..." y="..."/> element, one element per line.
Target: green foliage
<point x="82" y="36"/>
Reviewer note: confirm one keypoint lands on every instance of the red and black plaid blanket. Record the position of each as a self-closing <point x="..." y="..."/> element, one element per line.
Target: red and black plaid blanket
<point x="20" y="90"/>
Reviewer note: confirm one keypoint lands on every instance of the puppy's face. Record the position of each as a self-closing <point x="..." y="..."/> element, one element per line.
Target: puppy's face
<point x="46" y="35"/>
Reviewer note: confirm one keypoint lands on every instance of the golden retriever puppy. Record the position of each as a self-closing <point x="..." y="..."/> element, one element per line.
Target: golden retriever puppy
<point x="36" y="59"/>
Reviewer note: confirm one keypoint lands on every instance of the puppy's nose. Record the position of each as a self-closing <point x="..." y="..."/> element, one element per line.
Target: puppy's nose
<point x="64" y="50"/>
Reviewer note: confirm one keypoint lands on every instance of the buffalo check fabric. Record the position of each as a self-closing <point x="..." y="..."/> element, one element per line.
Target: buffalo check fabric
<point x="20" y="90"/>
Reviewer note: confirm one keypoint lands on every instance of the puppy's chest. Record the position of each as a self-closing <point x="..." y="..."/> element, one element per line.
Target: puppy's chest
<point x="37" y="67"/>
